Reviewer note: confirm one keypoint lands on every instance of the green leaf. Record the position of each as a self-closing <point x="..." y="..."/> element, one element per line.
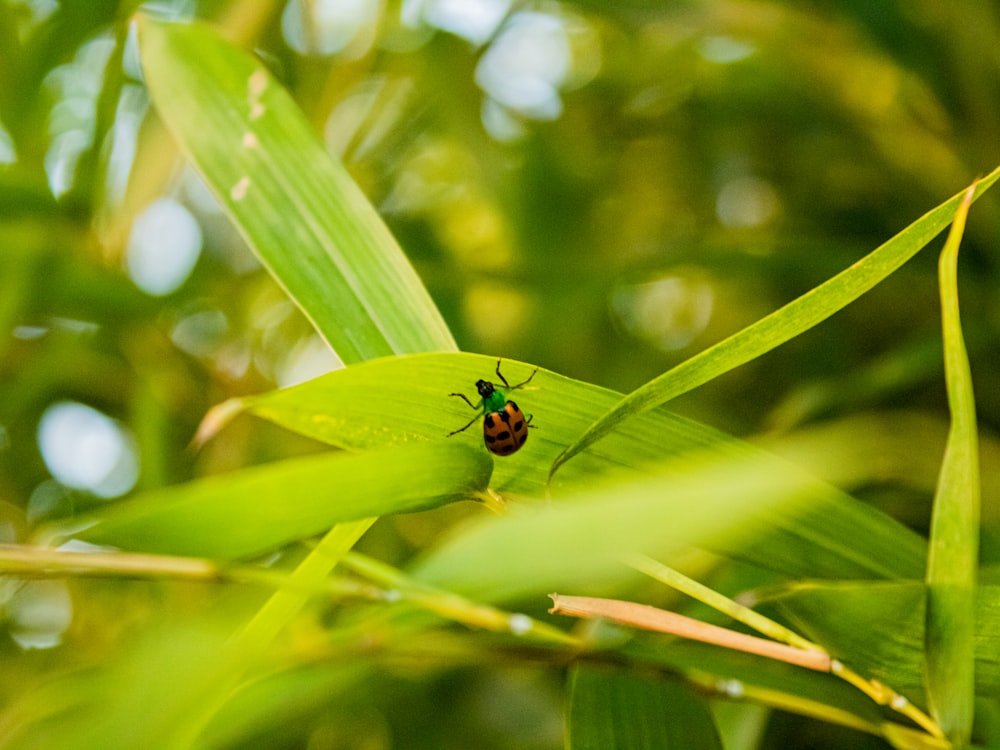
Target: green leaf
<point x="297" y="207"/>
<point x="954" y="536"/>
<point x="403" y="400"/>
<point x="878" y="629"/>
<point x="313" y="229"/>
<point x="760" y="680"/>
<point x="628" y="711"/>
<point x="834" y="536"/>
<point x="96" y="709"/>
<point x="247" y="512"/>
<point x="723" y="502"/>
<point x="780" y="326"/>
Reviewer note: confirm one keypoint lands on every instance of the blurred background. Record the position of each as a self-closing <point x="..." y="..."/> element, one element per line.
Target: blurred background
<point x="603" y="189"/>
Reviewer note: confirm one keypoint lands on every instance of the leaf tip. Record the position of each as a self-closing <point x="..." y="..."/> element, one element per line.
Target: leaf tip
<point x="217" y="417"/>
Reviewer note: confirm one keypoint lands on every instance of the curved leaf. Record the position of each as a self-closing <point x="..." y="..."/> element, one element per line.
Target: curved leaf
<point x="298" y="208"/>
<point x="954" y="539"/>
<point x="743" y="506"/>
<point x="878" y="628"/>
<point x="250" y="511"/>
<point x="780" y="326"/>
<point x="402" y="400"/>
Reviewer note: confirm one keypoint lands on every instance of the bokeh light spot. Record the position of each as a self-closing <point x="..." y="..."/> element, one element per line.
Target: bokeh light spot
<point x="746" y="202"/>
<point x="669" y="312"/>
<point x="163" y="248"/>
<point x="308" y="359"/>
<point x="39" y="613"/>
<point x="725" y="49"/>
<point x="75" y="86"/>
<point x="8" y="155"/>
<point x="201" y="333"/>
<point x="331" y="26"/>
<point x="474" y="20"/>
<point x="87" y="450"/>
<point x="526" y="64"/>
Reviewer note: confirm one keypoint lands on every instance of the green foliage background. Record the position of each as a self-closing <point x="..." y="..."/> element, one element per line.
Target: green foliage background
<point x="737" y="152"/>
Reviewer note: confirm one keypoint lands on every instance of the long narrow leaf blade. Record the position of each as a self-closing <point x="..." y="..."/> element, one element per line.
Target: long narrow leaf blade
<point x="613" y="709"/>
<point x="399" y="400"/>
<point x="251" y="511"/>
<point x="403" y="400"/>
<point x="954" y="537"/>
<point x="780" y="326"/>
<point x="721" y="502"/>
<point x="878" y="628"/>
<point x="297" y="207"/>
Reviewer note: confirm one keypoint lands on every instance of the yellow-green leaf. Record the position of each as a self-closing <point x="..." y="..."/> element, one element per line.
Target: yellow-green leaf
<point x="298" y="208"/>
<point x="247" y="512"/>
<point x="954" y="537"/>
<point x="615" y="709"/>
<point x="780" y="326"/>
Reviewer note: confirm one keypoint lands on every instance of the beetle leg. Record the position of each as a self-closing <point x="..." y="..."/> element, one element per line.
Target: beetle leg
<point x="500" y="375"/>
<point x="510" y="387"/>
<point x="463" y="429"/>
<point x="521" y="385"/>
<point x="465" y="398"/>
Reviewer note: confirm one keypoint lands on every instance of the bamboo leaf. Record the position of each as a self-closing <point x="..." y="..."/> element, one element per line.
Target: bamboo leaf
<point x="954" y="536"/>
<point x="614" y="709"/>
<point x="297" y="208"/>
<point x="879" y="629"/>
<point x="247" y="512"/>
<point x="775" y="329"/>
<point x="731" y="504"/>
<point x="324" y="243"/>
<point x="402" y="400"/>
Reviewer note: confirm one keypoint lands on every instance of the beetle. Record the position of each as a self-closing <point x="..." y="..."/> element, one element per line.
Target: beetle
<point x="505" y="428"/>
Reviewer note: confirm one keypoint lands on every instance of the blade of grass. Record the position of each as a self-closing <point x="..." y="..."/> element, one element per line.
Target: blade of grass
<point x="745" y="677"/>
<point x="245" y="513"/>
<point x="954" y="535"/>
<point x="775" y="329"/>
<point x="315" y="232"/>
<point x="880" y="628"/>
<point x="400" y="400"/>
<point x="619" y="709"/>
<point x="696" y="500"/>
<point x="298" y="209"/>
<point x="677" y="580"/>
